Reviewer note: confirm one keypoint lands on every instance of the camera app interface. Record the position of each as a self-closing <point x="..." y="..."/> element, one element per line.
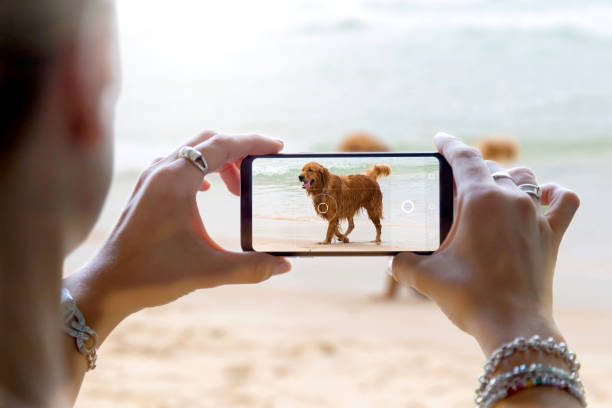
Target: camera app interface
<point x="346" y="204"/>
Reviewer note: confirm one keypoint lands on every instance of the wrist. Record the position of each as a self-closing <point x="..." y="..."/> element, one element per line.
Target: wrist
<point x="495" y="331"/>
<point x="91" y="287"/>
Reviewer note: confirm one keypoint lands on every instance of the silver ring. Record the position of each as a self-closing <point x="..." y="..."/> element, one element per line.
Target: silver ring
<point x="194" y="156"/>
<point x="533" y="190"/>
<point x="502" y="175"/>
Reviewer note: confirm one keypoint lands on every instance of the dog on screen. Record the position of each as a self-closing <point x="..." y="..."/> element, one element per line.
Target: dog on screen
<point x="336" y="198"/>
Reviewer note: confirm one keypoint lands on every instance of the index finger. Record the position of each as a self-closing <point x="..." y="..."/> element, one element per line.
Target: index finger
<point x="466" y="161"/>
<point x="221" y="149"/>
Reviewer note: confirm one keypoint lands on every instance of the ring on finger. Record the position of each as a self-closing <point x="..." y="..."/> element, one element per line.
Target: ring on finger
<point x="195" y="157"/>
<point x="502" y="175"/>
<point x="532" y="189"/>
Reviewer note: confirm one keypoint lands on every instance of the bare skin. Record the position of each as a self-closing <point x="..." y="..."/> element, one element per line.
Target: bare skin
<point x="144" y="263"/>
<point x="53" y="188"/>
<point x="54" y="185"/>
<point x="493" y="275"/>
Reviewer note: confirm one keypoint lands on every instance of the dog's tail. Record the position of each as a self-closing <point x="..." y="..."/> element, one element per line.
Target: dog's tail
<point x="377" y="171"/>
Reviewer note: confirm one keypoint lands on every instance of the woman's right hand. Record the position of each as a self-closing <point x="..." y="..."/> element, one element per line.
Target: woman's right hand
<point x="493" y="275"/>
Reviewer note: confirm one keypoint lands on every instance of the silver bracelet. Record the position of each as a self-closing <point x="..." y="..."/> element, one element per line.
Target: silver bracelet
<point x="536" y="375"/>
<point x="74" y="325"/>
<point x="534" y="343"/>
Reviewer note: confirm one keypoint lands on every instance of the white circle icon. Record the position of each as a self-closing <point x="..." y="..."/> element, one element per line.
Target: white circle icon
<point x="407" y="206"/>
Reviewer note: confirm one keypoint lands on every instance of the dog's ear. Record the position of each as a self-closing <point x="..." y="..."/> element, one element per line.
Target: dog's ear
<point x="324" y="176"/>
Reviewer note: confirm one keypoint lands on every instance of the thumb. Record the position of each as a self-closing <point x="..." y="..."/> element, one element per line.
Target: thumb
<point x="254" y="267"/>
<point x="413" y="270"/>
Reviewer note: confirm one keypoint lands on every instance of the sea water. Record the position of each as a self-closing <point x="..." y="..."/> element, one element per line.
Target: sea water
<point x="309" y="71"/>
<point x="284" y="213"/>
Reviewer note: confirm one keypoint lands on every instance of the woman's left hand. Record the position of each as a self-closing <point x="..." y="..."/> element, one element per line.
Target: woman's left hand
<point x="160" y="250"/>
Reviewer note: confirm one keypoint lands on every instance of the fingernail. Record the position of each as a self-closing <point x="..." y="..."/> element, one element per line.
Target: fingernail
<point x="282" y="267"/>
<point x="279" y="141"/>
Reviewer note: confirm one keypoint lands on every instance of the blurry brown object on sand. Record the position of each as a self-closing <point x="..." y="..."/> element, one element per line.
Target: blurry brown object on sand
<point x="499" y="148"/>
<point x="362" y="141"/>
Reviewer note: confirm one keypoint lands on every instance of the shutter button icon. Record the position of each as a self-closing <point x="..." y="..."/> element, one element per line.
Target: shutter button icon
<point x="407" y="206"/>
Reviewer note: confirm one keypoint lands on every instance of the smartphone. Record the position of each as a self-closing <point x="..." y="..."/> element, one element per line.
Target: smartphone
<point x="339" y="204"/>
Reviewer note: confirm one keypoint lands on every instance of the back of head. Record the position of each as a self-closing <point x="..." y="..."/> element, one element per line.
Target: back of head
<point x="31" y="33"/>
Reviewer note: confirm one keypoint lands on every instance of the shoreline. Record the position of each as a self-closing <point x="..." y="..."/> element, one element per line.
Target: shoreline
<point x="272" y="244"/>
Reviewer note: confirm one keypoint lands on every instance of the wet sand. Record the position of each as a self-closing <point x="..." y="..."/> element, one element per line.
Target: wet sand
<point x="269" y="244"/>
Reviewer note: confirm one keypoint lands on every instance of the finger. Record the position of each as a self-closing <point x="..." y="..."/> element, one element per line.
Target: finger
<point x="504" y="182"/>
<point x="252" y="267"/>
<point x="231" y="177"/>
<point x="202" y="137"/>
<point x="223" y="149"/>
<point x="205" y="185"/>
<point x="468" y="166"/>
<point x="412" y="269"/>
<point x="523" y="175"/>
<point x="157" y="160"/>
<point x="562" y="205"/>
<point x="193" y="142"/>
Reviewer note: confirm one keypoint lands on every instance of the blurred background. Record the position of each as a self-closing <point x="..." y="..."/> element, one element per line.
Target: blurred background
<point x="309" y="72"/>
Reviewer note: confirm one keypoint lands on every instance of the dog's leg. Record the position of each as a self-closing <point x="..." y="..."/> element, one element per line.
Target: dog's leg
<point x="341" y="237"/>
<point x="351" y="226"/>
<point x="332" y="227"/>
<point x="376" y="221"/>
<point x="344" y="237"/>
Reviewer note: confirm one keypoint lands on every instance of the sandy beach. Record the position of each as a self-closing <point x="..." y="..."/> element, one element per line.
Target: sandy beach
<point x="285" y="218"/>
<point x="309" y="73"/>
<point x="272" y="244"/>
<point x="315" y="338"/>
<point x="264" y="347"/>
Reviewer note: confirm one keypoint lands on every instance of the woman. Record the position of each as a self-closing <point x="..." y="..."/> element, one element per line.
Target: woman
<point x="492" y="277"/>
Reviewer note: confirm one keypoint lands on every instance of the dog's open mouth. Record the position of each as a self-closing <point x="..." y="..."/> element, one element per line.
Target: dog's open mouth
<point x="307" y="184"/>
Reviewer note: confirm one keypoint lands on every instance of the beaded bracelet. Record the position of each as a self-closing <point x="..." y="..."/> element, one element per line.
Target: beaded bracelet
<point x="521" y="378"/>
<point x="534" y="343"/>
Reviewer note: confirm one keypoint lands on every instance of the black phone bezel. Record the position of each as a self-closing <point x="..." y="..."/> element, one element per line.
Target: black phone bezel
<point x="246" y="221"/>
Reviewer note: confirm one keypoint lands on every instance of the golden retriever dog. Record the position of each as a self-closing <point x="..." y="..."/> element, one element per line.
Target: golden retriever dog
<point x="336" y="198"/>
<point x="499" y="149"/>
<point x="362" y="141"/>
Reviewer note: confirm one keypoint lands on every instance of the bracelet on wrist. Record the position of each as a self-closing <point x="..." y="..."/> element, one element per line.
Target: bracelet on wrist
<point x="491" y="390"/>
<point x="522" y="377"/>
<point x="75" y="326"/>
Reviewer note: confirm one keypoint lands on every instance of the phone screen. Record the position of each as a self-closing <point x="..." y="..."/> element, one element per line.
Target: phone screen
<point x="345" y="203"/>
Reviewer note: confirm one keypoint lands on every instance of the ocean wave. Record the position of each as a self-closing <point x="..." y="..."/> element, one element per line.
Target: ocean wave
<point x="593" y="20"/>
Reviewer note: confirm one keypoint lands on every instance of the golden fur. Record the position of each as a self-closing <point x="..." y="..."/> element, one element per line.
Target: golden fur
<point x="499" y="149"/>
<point x="362" y="141"/>
<point x="336" y="198"/>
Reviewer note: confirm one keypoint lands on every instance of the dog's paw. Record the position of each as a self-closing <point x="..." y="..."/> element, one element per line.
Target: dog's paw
<point x="323" y="243"/>
<point x="376" y="241"/>
<point x="345" y="240"/>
